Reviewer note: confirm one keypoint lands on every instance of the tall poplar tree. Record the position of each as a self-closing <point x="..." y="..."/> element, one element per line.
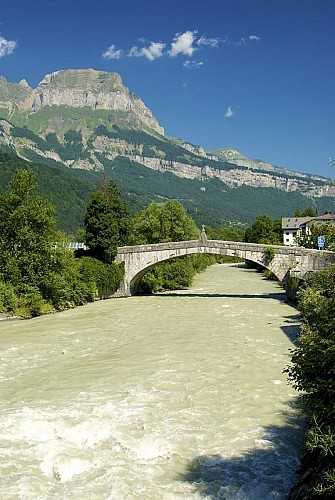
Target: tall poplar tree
<point x="106" y="222"/>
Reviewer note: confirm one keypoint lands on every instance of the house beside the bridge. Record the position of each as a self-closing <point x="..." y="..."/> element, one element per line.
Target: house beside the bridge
<point x="293" y="226"/>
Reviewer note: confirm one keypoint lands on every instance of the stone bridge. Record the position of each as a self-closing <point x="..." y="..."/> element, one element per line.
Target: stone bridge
<point x="287" y="261"/>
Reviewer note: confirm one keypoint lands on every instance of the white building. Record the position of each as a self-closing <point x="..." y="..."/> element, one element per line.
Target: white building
<point x="292" y="226"/>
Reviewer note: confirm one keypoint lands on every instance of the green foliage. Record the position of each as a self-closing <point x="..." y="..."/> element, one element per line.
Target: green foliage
<point x="69" y="190"/>
<point x="27" y="229"/>
<point x="65" y="189"/>
<point x="8" y="298"/>
<point x="70" y="149"/>
<point x="106" y="222"/>
<point x="38" y="273"/>
<point x="313" y="374"/>
<point x="264" y="230"/>
<point x="102" y="279"/>
<point x="269" y="254"/>
<point x="225" y="234"/>
<point x="31" y="303"/>
<point x="307" y="212"/>
<point x="309" y="239"/>
<point x="161" y="223"/>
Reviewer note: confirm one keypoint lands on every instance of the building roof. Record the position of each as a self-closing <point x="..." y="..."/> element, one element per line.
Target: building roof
<point x="296" y="222"/>
<point x="321" y="218"/>
<point x="293" y="222"/>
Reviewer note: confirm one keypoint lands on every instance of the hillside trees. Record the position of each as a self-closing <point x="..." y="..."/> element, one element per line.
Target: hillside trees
<point x="106" y="222"/>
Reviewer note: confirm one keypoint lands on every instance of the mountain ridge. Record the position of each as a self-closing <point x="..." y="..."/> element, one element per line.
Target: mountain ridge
<point x="88" y="120"/>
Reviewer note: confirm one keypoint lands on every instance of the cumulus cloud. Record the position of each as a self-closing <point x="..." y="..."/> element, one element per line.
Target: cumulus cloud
<point x="210" y="42"/>
<point x="112" y="53"/>
<point x="183" y="44"/>
<point x="192" y="64"/>
<point x="6" y="46"/>
<point x="153" y="51"/>
<point x="229" y="112"/>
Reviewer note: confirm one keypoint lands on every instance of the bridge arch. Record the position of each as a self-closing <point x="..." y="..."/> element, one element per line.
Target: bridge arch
<point x="257" y="259"/>
<point x="141" y="258"/>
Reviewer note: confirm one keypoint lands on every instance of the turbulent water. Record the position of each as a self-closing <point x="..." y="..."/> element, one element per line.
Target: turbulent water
<point x="173" y="396"/>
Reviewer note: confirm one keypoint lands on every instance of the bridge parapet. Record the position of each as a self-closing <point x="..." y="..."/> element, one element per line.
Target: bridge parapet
<point x="140" y="258"/>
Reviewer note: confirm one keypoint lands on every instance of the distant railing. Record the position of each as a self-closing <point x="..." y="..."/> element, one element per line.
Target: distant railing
<point x="72" y="245"/>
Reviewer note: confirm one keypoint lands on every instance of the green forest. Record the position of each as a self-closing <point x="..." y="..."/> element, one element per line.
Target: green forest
<point x="208" y="202"/>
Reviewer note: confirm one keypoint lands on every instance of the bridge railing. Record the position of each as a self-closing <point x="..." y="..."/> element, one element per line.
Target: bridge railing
<point x="234" y="245"/>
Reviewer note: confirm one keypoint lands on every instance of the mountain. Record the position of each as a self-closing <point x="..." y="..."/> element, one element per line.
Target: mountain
<point x="88" y="122"/>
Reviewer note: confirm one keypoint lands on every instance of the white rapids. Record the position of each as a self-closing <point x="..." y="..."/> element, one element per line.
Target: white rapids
<point x="175" y="396"/>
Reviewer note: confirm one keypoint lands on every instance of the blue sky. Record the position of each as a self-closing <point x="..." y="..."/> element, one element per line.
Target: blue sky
<point x="254" y="75"/>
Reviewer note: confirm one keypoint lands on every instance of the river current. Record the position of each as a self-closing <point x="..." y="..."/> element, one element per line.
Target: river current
<point x="173" y="396"/>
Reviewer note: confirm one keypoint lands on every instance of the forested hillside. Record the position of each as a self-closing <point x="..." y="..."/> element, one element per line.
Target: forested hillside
<point x="211" y="202"/>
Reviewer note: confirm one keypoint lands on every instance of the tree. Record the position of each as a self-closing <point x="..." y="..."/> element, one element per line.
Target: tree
<point x="162" y="223"/>
<point x="28" y="233"/>
<point x="264" y="230"/>
<point x="106" y="222"/>
<point x="309" y="239"/>
<point x="307" y="212"/>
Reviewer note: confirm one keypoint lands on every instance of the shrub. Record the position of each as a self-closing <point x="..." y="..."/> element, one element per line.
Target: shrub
<point x="31" y="303"/>
<point x="8" y="298"/>
<point x="269" y="254"/>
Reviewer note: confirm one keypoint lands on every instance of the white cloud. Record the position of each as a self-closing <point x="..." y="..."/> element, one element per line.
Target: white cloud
<point x="241" y="43"/>
<point x="211" y="42"/>
<point x="183" y="44"/>
<point x="229" y="112"/>
<point x="6" y="46"/>
<point x="112" y="53"/>
<point x="155" y="50"/>
<point x="254" y="37"/>
<point x="192" y="64"/>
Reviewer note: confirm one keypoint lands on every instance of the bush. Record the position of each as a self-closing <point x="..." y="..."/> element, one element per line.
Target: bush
<point x="313" y="374"/>
<point x="269" y="254"/>
<point x="8" y="298"/>
<point x="104" y="279"/>
<point x="31" y="303"/>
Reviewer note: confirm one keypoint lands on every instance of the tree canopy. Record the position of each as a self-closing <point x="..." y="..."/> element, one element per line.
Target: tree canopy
<point x="264" y="230"/>
<point x="106" y="222"/>
<point x="160" y="223"/>
<point x="28" y="233"/>
<point x="309" y="239"/>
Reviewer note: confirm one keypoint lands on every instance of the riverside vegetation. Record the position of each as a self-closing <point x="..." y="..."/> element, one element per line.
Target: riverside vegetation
<point x="313" y="374"/>
<point x="40" y="275"/>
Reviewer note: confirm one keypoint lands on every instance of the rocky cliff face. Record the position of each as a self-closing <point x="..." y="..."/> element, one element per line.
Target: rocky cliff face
<point x="97" y="90"/>
<point x="72" y="105"/>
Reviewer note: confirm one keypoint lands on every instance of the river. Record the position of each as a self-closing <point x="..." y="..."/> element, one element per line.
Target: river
<point x="173" y="396"/>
